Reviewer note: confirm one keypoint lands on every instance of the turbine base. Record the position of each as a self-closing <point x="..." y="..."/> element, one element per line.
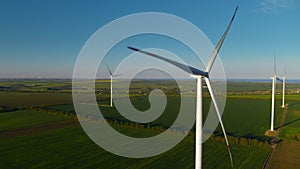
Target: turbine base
<point x="271" y="133"/>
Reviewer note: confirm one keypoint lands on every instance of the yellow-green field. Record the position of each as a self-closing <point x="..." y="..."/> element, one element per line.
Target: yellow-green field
<point x="38" y="128"/>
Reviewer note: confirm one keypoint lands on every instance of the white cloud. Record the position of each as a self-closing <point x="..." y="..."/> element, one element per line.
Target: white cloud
<point x="271" y="6"/>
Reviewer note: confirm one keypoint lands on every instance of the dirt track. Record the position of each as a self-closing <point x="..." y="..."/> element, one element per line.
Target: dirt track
<point x="286" y="156"/>
<point x="274" y="142"/>
<point x="17" y="132"/>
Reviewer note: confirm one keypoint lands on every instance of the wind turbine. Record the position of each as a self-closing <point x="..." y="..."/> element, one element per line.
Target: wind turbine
<point x="283" y="89"/>
<point x="199" y="75"/>
<point x="111" y="75"/>
<point x="274" y="79"/>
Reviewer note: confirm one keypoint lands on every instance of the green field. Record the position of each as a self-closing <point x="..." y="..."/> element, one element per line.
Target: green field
<point x="250" y="86"/>
<point x="289" y="97"/>
<point x="23" y="118"/>
<point x="287" y="153"/>
<point x="248" y="118"/>
<point x="70" y="147"/>
<point x="140" y="103"/>
<point x="14" y="99"/>
<point x="36" y="85"/>
<point x="61" y="143"/>
<point x="290" y="130"/>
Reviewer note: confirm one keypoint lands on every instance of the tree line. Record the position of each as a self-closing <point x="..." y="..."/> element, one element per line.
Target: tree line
<point x="156" y="128"/>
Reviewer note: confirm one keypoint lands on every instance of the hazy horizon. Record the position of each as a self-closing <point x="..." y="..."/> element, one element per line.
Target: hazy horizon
<point x="42" y="39"/>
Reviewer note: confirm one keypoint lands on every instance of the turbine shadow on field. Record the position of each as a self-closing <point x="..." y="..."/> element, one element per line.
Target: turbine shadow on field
<point x="220" y="133"/>
<point x="247" y="136"/>
<point x="275" y="141"/>
<point x="288" y="123"/>
<point x="252" y="136"/>
<point x="294" y="104"/>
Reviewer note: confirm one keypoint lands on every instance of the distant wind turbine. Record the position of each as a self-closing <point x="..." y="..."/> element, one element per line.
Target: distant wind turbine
<point x="199" y="75"/>
<point x="111" y="75"/>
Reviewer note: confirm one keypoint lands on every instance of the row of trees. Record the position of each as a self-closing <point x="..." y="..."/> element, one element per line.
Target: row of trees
<point x="169" y="91"/>
<point x="242" y="141"/>
<point x="154" y="128"/>
<point x="60" y="113"/>
<point x="9" y="109"/>
<point x="159" y="129"/>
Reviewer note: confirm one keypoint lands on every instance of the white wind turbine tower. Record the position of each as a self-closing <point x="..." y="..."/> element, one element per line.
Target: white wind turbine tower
<point x="199" y="75"/>
<point x="111" y="75"/>
<point x="283" y="89"/>
<point x="274" y="79"/>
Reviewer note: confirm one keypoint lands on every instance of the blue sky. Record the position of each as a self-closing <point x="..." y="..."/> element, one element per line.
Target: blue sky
<point x="44" y="38"/>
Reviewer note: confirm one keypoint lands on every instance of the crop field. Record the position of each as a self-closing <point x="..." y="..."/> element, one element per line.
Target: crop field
<point x="141" y="103"/>
<point x="70" y="147"/>
<point x="23" y="118"/>
<point x="287" y="153"/>
<point x="248" y="118"/>
<point x="249" y="87"/>
<point x="102" y="86"/>
<point x="289" y="97"/>
<point x="61" y="143"/>
<point x="290" y="130"/>
<point x="14" y="99"/>
<point x="42" y="85"/>
<point x="34" y="99"/>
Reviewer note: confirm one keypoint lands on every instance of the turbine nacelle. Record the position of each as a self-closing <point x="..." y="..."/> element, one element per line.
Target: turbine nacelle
<point x="196" y="76"/>
<point x="111" y="75"/>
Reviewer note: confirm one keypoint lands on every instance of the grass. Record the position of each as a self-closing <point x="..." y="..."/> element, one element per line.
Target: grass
<point x="140" y="103"/>
<point x="21" y="99"/>
<point x="289" y="97"/>
<point x="71" y="148"/>
<point x="286" y="154"/>
<point x="250" y="118"/>
<point x="291" y="127"/>
<point x="34" y="99"/>
<point x="23" y="118"/>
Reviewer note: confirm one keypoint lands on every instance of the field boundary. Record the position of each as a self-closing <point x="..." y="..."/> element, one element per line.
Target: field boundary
<point x="267" y="159"/>
<point x="274" y="143"/>
<point x="22" y="131"/>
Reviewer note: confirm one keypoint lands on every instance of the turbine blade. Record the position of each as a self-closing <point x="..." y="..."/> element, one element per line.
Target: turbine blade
<point x="109" y="70"/>
<point x="184" y="67"/>
<point x="279" y="79"/>
<point x="117" y="75"/>
<point x="274" y="63"/>
<point x="284" y="72"/>
<point x="211" y="91"/>
<point x="219" y="45"/>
